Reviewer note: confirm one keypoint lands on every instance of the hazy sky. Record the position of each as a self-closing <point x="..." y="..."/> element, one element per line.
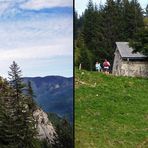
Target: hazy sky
<point x="38" y="35"/>
<point x="80" y="5"/>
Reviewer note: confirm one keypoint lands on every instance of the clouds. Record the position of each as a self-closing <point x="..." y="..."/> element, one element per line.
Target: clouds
<point x="32" y="36"/>
<point x="35" y="31"/>
<point x="41" y="4"/>
<point x="17" y="5"/>
<point x="57" y="48"/>
<point x="6" y="5"/>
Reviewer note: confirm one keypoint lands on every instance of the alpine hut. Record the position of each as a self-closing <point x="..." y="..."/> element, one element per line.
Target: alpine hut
<point x="127" y="63"/>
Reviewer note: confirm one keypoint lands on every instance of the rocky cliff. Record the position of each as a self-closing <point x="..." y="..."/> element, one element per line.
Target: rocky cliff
<point x="44" y="127"/>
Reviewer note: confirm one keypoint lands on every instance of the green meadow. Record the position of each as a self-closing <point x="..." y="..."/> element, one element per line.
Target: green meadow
<point x="110" y="111"/>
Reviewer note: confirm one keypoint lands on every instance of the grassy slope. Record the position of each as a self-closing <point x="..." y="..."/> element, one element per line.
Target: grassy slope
<point x="111" y="113"/>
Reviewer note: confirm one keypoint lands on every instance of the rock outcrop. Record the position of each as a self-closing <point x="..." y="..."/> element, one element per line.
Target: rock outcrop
<point x="44" y="127"/>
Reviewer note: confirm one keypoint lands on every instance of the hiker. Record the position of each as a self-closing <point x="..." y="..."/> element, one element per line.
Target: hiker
<point x="106" y="66"/>
<point x="98" y="66"/>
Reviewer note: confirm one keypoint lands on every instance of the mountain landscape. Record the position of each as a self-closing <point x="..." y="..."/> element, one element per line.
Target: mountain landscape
<point x="37" y="129"/>
<point x="54" y="94"/>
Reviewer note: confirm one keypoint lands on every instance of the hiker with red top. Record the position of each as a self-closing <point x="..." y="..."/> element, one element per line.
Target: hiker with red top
<point x="106" y="66"/>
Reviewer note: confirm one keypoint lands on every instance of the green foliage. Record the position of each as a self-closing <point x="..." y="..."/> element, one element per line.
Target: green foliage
<point x="146" y="21"/>
<point x="89" y="28"/>
<point x="44" y="144"/>
<point x="140" y="41"/>
<point x="78" y="22"/>
<point x="83" y="56"/>
<point x="110" y="111"/>
<point x="133" y="18"/>
<point x="15" y="75"/>
<point x="100" y="27"/>
<point x="77" y="56"/>
<point x="64" y="131"/>
<point x="31" y="95"/>
<point x="146" y="10"/>
<point x="7" y="115"/>
<point x="17" y="126"/>
<point x="85" y="59"/>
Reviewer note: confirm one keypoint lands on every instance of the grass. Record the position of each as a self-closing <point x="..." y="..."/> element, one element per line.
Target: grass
<point x="110" y="112"/>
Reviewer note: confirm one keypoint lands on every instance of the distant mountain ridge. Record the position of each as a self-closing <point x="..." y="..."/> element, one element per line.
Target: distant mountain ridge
<point x="54" y="94"/>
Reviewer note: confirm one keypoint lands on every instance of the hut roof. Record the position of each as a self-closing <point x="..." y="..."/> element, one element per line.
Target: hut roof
<point x="126" y="51"/>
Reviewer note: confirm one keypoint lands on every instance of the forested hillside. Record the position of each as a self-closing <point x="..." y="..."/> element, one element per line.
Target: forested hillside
<point x="54" y="94"/>
<point x="22" y="123"/>
<point x="99" y="27"/>
<point x="17" y="126"/>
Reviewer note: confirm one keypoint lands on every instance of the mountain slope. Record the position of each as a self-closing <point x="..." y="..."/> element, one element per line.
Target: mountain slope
<point x="54" y="94"/>
<point x="110" y="111"/>
<point x="47" y="130"/>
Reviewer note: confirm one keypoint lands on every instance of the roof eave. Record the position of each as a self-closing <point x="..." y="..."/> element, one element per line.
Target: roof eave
<point x="134" y="58"/>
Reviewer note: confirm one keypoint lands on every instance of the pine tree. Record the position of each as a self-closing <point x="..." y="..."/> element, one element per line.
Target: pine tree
<point x="7" y="116"/>
<point x="75" y="24"/>
<point x="101" y="27"/>
<point x="30" y="90"/>
<point x="111" y="22"/>
<point x="89" y="27"/>
<point x="31" y="96"/>
<point x="16" y="83"/>
<point x="146" y="10"/>
<point x="133" y="17"/>
<point x="140" y="41"/>
<point x="15" y="79"/>
<point x="18" y="125"/>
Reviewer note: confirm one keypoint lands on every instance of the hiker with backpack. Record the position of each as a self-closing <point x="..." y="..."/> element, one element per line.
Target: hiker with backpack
<point x="106" y="66"/>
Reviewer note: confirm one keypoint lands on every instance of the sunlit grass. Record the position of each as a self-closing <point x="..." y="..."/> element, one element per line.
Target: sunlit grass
<point x="110" y="111"/>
